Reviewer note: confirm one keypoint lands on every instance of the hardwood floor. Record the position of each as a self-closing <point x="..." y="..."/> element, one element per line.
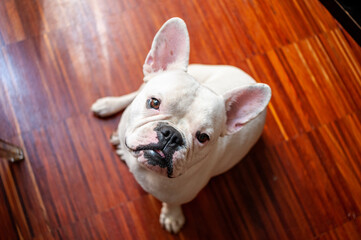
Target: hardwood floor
<point x="301" y="180"/>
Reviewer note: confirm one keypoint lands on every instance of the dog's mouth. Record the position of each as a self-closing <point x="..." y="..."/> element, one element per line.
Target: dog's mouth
<point x="154" y="158"/>
<point x="163" y="150"/>
<point x="157" y="157"/>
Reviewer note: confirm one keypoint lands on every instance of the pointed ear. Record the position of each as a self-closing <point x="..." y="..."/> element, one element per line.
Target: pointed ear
<point x="170" y="48"/>
<point x="244" y="104"/>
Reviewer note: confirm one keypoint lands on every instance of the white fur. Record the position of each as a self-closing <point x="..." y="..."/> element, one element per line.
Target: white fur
<point x="193" y="98"/>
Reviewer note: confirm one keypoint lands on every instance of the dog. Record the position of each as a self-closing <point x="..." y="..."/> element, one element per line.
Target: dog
<point x="186" y="123"/>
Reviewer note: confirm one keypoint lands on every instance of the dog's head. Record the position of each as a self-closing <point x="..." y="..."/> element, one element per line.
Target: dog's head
<point x="174" y="122"/>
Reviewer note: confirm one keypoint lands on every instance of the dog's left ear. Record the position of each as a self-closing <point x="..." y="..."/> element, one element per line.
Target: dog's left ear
<point x="244" y="104"/>
<point x="170" y="48"/>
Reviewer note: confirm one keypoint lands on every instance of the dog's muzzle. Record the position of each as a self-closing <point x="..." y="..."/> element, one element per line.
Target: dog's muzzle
<point x="161" y="153"/>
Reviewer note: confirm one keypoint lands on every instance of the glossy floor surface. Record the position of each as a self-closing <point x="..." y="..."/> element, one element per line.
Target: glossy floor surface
<point x="302" y="180"/>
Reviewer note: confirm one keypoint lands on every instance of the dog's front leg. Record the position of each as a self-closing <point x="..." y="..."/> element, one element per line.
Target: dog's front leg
<point x="107" y="106"/>
<point x="171" y="217"/>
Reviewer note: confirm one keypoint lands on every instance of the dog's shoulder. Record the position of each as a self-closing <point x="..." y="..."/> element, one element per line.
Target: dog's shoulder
<point x="220" y="78"/>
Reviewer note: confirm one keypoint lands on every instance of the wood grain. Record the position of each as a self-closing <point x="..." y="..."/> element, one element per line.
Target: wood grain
<point x="300" y="181"/>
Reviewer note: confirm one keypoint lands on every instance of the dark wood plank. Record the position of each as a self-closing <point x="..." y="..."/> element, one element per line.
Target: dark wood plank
<point x="349" y="230"/>
<point x="9" y="126"/>
<point x="8" y="228"/>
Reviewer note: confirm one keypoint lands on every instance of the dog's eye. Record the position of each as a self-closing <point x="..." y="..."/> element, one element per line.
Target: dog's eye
<point x="153" y="103"/>
<point x="202" y="137"/>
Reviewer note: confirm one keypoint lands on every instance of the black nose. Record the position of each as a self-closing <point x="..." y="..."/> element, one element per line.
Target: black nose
<point x="170" y="137"/>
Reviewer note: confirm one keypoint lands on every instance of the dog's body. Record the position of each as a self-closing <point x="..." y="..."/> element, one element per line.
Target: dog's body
<point x="185" y="187"/>
<point x="186" y="124"/>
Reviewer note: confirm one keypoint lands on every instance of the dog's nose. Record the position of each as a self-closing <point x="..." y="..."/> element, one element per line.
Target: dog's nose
<point x="170" y="137"/>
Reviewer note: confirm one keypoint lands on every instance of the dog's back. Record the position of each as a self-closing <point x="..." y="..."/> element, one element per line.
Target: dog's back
<point x="220" y="78"/>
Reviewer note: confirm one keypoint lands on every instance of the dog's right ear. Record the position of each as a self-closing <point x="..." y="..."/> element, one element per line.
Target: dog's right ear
<point x="170" y="48"/>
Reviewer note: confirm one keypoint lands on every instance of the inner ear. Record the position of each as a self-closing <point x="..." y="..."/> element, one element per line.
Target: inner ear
<point x="244" y="104"/>
<point x="170" y="48"/>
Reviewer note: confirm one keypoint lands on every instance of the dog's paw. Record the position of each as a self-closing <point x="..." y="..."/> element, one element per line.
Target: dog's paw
<point x="114" y="139"/>
<point x="171" y="218"/>
<point x="120" y="152"/>
<point x="104" y="107"/>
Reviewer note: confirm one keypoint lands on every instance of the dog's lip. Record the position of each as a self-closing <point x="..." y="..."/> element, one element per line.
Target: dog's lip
<point x="131" y="149"/>
<point x="158" y="152"/>
<point x="134" y="152"/>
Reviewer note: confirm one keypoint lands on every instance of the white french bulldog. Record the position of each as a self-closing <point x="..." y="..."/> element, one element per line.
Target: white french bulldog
<point x="185" y="124"/>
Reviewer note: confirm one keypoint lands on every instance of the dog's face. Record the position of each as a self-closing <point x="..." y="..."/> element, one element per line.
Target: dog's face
<point x="174" y="123"/>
